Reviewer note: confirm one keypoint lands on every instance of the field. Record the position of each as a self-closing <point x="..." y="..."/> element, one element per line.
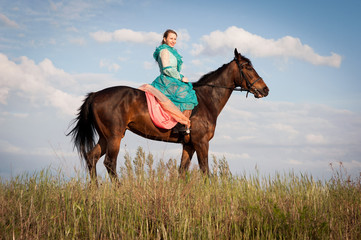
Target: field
<point x="153" y="202"/>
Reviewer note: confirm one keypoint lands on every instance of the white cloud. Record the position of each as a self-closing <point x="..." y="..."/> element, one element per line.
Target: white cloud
<point x="4" y="92"/>
<point x="244" y="138"/>
<point x="7" y="22"/>
<point x="8" y="147"/>
<point x="72" y="29"/>
<point x="218" y="42"/>
<point x="183" y="35"/>
<point x="122" y="59"/>
<point x="182" y="39"/>
<point x="230" y="155"/>
<point x="78" y="41"/>
<point x="281" y="135"/>
<point x="315" y="138"/>
<point x="130" y="36"/>
<point x="353" y="164"/>
<point x="40" y="83"/>
<point x="294" y="162"/>
<point x="112" y="67"/>
<point x="17" y="115"/>
<point x="126" y="35"/>
<point x="285" y="128"/>
<point x="70" y="10"/>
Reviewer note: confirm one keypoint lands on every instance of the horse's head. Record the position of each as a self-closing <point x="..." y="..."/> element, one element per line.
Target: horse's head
<point x="247" y="78"/>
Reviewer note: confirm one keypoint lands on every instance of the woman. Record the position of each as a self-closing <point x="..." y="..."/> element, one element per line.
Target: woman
<point x="171" y="82"/>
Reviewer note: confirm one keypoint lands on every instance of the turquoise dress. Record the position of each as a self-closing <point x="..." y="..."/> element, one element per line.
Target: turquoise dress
<point x="170" y="80"/>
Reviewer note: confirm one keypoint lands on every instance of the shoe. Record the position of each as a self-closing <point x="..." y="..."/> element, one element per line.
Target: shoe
<point x="187" y="131"/>
<point x="179" y="128"/>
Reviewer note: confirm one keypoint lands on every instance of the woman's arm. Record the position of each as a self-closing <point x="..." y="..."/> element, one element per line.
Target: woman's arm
<point x="167" y="68"/>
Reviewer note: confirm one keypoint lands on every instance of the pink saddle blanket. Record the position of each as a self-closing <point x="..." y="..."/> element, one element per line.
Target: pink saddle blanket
<point x="159" y="116"/>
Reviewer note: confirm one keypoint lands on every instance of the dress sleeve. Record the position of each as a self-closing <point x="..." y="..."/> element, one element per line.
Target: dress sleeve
<point x="169" y="70"/>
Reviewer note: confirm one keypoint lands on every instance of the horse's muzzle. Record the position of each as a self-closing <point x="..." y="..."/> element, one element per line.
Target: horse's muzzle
<point x="260" y="93"/>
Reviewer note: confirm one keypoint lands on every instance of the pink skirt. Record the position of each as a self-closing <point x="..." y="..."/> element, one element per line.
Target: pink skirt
<point x="162" y="111"/>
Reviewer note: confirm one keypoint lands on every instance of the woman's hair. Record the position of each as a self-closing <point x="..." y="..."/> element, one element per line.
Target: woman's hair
<point x="166" y="33"/>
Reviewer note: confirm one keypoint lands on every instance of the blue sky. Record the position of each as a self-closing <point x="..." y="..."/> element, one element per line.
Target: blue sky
<point x="52" y="53"/>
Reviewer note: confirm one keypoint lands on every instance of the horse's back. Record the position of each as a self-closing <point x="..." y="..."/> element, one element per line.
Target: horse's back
<point x="113" y="96"/>
<point x="118" y="105"/>
<point x="117" y="92"/>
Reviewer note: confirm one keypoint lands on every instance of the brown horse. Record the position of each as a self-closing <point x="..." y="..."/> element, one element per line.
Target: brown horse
<point x="112" y="111"/>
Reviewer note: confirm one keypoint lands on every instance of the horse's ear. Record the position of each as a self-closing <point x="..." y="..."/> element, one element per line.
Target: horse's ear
<point x="236" y="52"/>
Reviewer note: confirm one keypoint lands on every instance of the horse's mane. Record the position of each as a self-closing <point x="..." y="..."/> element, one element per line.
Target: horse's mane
<point x="205" y="78"/>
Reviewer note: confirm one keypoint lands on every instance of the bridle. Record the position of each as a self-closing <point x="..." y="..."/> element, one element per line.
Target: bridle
<point x="243" y="77"/>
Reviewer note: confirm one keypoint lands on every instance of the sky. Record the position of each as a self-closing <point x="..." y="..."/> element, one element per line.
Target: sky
<point x="52" y="53"/>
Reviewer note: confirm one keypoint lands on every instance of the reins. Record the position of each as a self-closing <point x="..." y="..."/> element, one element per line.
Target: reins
<point x="242" y="76"/>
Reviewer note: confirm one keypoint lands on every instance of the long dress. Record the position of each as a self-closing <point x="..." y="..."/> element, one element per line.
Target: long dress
<point x="170" y="80"/>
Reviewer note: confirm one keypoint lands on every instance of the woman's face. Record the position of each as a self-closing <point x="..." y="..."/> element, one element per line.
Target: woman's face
<point x="171" y="39"/>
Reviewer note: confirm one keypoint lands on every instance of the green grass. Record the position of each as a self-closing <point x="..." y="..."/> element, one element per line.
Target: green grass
<point x="153" y="202"/>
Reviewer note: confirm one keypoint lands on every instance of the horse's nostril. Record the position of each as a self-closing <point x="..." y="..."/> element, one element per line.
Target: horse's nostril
<point x="266" y="90"/>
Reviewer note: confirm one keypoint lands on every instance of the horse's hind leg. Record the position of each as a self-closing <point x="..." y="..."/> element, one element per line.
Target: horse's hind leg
<point x="110" y="161"/>
<point x="94" y="155"/>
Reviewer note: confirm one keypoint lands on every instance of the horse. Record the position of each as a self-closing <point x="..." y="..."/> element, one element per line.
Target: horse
<point x="112" y="111"/>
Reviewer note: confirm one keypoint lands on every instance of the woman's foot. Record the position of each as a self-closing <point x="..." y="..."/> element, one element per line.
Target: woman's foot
<point x="187" y="131"/>
<point x="179" y="128"/>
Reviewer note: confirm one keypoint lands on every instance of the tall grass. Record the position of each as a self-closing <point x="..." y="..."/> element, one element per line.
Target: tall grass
<point x="153" y="202"/>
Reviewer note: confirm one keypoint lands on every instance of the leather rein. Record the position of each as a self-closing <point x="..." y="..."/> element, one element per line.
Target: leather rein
<point x="243" y="78"/>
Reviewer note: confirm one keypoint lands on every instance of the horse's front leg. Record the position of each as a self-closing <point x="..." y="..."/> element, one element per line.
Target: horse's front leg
<point x="187" y="154"/>
<point x="202" y="155"/>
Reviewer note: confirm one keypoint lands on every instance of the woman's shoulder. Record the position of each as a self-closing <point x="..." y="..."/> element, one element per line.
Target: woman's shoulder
<point x="162" y="49"/>
<point x="165" y="53"/>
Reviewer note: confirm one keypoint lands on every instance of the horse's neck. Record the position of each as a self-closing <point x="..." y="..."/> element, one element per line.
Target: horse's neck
<point x="218" y="90"/>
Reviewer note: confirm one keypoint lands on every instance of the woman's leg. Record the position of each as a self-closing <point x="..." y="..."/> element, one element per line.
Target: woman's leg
<point x="187" y="113"/>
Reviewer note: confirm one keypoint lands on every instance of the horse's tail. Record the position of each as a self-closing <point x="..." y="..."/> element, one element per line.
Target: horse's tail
<point x="84" y="131"/>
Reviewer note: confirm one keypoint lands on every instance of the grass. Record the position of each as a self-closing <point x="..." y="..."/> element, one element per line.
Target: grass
<point x="153" y="202"/>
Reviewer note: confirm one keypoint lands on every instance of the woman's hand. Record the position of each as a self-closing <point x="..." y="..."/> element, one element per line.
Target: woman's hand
<point x="185" y="79"/>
